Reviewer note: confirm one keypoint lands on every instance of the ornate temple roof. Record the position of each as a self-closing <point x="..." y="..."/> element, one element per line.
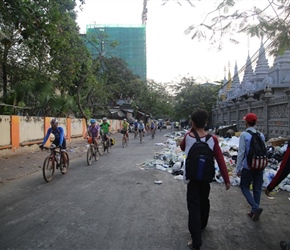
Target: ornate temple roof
<point x="249" y="73"/>
<point x="262" y="66"/>
<point x="236" y="79"/>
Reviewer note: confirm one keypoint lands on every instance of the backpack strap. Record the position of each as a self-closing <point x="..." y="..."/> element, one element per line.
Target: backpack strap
<point x="208" y="136"/>
<point x="251" y="132"/>
<point x="196" y="135"/>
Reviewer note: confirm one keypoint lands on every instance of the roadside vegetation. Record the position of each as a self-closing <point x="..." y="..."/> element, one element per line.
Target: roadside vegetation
<point x="46" y="69"/>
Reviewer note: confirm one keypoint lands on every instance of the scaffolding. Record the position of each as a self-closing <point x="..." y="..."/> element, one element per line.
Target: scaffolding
<point x="131" y="40"/>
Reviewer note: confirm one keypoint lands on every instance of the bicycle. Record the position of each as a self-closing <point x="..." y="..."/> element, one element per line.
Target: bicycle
<point x="124" y="139"/>
<point x="152" y="133"/>
<point x="135" y="133"/>
<point x="54" y="161"/>
<point x="141" y="134"/>
<point x="93" y="151"/>
<point x="106" y="144"/>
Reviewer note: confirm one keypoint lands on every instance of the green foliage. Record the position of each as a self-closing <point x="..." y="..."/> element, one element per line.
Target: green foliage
<point x="226" y="19"/>
<point x="191" y="95"/>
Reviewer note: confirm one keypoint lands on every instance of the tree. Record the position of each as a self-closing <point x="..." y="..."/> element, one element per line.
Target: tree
<point x="155" y="100"/>
<point x="269" y="20"/>
<point x="191" y="95"/>
<point x="40" y="55"/>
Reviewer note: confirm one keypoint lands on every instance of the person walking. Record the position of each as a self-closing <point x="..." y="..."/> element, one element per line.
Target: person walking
<point x="282" y="173"/>
<point x="247" y="175"/>
<point x="198" y="203"/>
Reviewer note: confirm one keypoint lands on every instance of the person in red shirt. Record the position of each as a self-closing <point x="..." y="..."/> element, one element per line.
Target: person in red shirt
<point x="198" y="203"/>
<point x="281" y="174"/>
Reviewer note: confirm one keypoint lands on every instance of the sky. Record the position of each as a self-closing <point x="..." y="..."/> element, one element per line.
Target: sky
<point x="171" y="54"/>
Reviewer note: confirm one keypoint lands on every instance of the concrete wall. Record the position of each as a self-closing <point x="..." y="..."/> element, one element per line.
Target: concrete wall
<point x="27" y="132"/>
<point x="31" y="128"/>
<point x="273" y="115"/>
<point x="5" y="130"/>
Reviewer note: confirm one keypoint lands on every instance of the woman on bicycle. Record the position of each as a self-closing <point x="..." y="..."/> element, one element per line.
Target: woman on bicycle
<point x="59" y="139"/>
<point x="93" y="131"/>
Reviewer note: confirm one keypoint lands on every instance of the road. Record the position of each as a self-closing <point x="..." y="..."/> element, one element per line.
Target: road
<point x="113" y="204"/>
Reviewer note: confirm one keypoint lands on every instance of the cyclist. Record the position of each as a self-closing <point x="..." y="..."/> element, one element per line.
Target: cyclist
<point x="125" y="128"/>
<point x="141" y="128"/>
<point x="59" y="139"/>
<point x="160" y="125"/>
<point x="105" y="126"/>
<point x="93" y="131"/>
<point x="136" y="125"/>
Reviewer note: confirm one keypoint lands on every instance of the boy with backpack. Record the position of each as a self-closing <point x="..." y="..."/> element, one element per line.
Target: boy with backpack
<point x="251" y="162"/>
<point x="200" y="149"/>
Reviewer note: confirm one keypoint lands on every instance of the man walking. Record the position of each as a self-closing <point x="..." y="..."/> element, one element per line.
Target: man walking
<point x="249" y="176"/>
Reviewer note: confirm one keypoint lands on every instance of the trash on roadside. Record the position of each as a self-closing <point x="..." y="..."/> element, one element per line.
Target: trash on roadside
<point x="171" y="159"/>
<point x="158" y="182"/>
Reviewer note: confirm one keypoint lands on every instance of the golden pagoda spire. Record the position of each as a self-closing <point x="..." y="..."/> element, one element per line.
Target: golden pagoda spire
<point x="230" y="81"/>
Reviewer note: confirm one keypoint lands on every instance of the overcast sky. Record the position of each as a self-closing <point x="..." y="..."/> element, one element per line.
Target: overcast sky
<point x="170" y="53"/>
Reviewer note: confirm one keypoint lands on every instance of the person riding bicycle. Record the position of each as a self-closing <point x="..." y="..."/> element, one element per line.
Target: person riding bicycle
<point x="125" y="128"/>
<point x="160" y="125"/>
<point x="136" y="125"/>
<point x="59" y="138"/>
<point x="93" y="131"/>
<point x="141" y="127"/>
<point x="105" y="127"/>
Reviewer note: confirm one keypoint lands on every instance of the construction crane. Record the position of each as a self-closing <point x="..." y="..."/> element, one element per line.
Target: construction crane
<point x="144" y="12"/>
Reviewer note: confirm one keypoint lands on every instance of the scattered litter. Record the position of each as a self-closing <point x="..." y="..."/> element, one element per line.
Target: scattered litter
<point x="178" y="177"/>
<point x="271" y="198"/>
<point x="158" y="182"/>
<point x="171" y="159"/>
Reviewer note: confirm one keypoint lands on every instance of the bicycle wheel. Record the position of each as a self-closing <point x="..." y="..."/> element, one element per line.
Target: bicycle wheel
<point x="90" y="153"/>
<point x="123" y="141"/>
<point x="108" y="146"/>
<point x="100" y="149"/>
<point x="104" y="146"/>
<point x="96" y="154"/>
<point x="141" y="137"/>
<point x="48" y="168"/>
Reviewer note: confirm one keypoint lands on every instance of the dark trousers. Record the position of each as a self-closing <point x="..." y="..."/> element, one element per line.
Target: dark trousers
<point x="198" y="209"/>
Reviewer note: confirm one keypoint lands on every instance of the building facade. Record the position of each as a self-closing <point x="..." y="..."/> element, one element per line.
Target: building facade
<point x="125" y="42"/>
<point x="264" y="90"/>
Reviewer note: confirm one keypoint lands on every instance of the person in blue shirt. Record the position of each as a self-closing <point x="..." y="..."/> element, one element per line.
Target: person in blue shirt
<point x="59" y="138"/>
<point x="58" y="132"/>
<point x="136" y="125"/>
<point x="248" y="176"/>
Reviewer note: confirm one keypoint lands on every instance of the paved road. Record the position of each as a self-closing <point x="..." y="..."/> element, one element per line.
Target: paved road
<point x="113" y="204"/>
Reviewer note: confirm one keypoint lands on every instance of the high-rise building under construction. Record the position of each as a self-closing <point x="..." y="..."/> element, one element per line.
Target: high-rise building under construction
<point x="131" y="44"/>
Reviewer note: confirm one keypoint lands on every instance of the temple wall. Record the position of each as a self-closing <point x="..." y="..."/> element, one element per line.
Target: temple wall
<point x="273" y="115"/>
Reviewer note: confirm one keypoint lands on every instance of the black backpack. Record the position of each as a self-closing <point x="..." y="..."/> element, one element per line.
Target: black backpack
<point x="257" y="156"/>
<point x="199" y="164"/>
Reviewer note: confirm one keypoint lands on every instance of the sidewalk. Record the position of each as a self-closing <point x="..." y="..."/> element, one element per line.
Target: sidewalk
<point x="25" y="163"/>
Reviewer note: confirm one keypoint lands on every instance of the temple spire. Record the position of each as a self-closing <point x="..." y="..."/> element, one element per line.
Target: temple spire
<point x="236" y="79"/>
<point x="225" y="77"/>
<point x="248" y="73"/>
<point x="262" y="66"/>
<point x="229" y="85"/>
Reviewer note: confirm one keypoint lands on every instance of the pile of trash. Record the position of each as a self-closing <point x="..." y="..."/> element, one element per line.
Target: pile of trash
<point x="171" y="159"/>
